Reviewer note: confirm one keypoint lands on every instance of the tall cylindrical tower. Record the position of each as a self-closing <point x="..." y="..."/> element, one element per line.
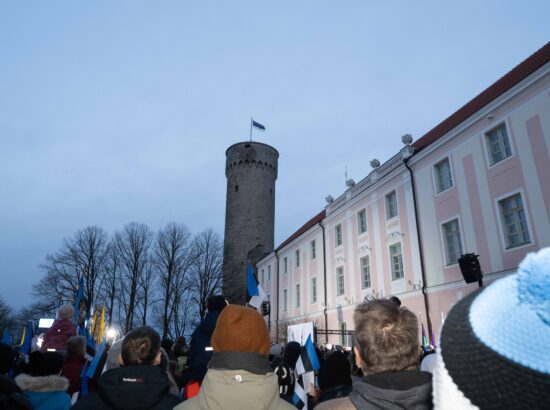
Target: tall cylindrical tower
<point x="251" y="171"/>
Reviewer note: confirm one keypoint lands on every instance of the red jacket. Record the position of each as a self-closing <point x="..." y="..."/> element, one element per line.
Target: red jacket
<point x="72" y="370"/>
<point x="56" y="337"/>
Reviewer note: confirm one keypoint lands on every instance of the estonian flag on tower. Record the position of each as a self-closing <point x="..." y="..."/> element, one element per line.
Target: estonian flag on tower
<point x="254" y="292"/>
<point x="258" y="125"/>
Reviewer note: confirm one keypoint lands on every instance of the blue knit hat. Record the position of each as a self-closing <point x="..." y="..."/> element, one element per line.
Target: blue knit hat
<point x="495" y="344"/>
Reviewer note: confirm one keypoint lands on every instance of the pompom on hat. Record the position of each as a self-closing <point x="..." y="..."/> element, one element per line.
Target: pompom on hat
<point x="495" y="344"/>
<point x="65" y="312"/>
<point x="241" y="329"/>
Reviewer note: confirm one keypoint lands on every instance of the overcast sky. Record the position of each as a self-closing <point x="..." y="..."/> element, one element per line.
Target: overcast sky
<point x="112" y="112"/>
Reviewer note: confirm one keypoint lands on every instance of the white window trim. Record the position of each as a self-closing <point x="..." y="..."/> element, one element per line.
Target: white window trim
<point x="442" y="238"/>
<point x="361" y="234"/>
<point x="311" y="301"/>
<point x="484" y="132"/>
<point x="500" y="222"/>
<point x="434" y="175"/>
<point x="314" y="243"/>
<point x="343" y="294"/>
<point x="390" y="260"/>
<point x="366" y="255"/>
<point x="336" y="236"/>
<point x="385" y="197"/>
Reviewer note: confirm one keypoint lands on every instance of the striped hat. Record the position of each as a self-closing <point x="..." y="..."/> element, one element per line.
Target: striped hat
<point x="495" y="344"/>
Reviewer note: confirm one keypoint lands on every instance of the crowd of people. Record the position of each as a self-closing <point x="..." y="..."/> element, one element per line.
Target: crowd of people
<point x="493" y="354"/>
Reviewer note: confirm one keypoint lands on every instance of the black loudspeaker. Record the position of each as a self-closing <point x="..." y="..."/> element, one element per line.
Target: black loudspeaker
<point x="470" y="268"/>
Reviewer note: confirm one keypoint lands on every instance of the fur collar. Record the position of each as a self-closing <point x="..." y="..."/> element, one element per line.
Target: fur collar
<point x="42" y="383"/>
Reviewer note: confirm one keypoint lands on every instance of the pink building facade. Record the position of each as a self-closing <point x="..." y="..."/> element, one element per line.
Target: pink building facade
<point x="476" y="183"/>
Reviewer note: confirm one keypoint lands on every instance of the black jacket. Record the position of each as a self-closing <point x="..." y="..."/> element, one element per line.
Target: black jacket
<point x="198" y="357"/>
<point x="131" y="387"/>
<point x="11" y="397"/>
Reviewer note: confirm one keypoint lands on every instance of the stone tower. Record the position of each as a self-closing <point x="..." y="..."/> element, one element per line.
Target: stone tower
<point x="251" y="171"/>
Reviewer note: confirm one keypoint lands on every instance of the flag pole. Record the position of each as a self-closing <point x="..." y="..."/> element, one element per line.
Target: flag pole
<point x="251" y="122"/>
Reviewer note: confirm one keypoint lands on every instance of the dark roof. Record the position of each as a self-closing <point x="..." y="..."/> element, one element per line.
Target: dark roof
<point x="309" y="224"/>
<point x="517" y="74"/>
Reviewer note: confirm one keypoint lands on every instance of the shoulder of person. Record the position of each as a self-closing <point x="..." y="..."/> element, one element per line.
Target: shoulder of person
<point x="343" y="403"/>
<point x="91" y="401"/>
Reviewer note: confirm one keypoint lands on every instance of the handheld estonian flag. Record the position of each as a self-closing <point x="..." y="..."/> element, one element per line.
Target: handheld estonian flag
<point x="254" y="291"/>
<point x="299" y="399"/>
<point x="308" y="360"/>
<point x="27" y="339"/>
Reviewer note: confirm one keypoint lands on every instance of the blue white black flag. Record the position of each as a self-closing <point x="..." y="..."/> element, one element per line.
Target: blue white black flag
<point x="299" y="399"/>
<point x="258" y="125"/>
<point x="308" y="360"/>
<point x="254" y="292"/>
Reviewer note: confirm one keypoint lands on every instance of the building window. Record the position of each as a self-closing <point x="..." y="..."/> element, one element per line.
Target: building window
<point x="443" y="177"/>
<point x="268" y="273"/>
<point x="298" y="258"/>
<point x="285" y="265"/>
<point x="453" y="243"/>
<point x="498" y="144"/>
<point x="285" y="299"/>
<point x="391" y="205"/>
<point x="340" y="288"/>
<point x="514" y="221"/>
<point x="343" y="335"/>
<point x="313" y="290"/>
<point x="297" y="295"/>
<point x="364" y="262"/>
<point x="262" y="277"/>
<point x="362" y="221"/>
<point x="338" y="234"/>
<point x="313" y="254"/>
<point x="396" y="259"/>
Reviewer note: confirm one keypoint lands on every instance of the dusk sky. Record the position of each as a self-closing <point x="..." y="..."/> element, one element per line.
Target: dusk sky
<point x="121" y="111"/>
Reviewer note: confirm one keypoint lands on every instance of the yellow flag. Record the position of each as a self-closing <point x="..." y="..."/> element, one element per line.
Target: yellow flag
<point x="101" y="326"/>
<point x="94" y="320"/>
<point x="23" y="337"/>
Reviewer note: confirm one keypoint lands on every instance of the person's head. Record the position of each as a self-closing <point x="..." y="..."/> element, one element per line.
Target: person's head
<point x="216" y="303"/>
<point x="386" y="337"/>
<point x="113" y="356"/>
<point x="7" y="358"/>
<point x="45" y="364"/>
<point x="291" y="353"/>
<point x="76" y="346"/>
<point x="140" y="346"/>
<point x="494" y="345"/>
<point x="180" y="340"/>
<point x="241" y="329"/>
<point x="396" y="300"/>
<point x="335" y="371"/>
<point x="166" y="344"/>
<point x="65" y="312"/>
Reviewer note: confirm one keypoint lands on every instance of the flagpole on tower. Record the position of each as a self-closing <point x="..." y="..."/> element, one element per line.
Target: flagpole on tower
<point x="251" y="122"/>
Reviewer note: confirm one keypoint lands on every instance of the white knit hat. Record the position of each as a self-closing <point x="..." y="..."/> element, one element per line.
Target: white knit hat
<point x="495" y="344"/>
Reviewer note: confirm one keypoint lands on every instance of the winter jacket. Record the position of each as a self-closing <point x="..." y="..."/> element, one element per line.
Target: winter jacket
<point x="411" y="390"/>
<point x="222" y="388"/>
<point x="131" y="387"/>
<point x="56" y="337"/>
<point x="11" y="397"/>
<point x="198" y="357"/>
<point x="335" y="393"/>
<point x="45" y="392"/>
<point x="72" y="370"/>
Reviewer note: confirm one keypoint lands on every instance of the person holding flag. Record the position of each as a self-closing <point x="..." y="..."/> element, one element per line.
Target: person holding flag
<point x="255" y="295"/>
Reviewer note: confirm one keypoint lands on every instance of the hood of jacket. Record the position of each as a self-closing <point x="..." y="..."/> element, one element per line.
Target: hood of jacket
<point x="393" y="390"/>
<point x="237" y="389"/>
<point x="133" y="387"/>
<point x="42" y="383"/>
<point x="208" y="324"/>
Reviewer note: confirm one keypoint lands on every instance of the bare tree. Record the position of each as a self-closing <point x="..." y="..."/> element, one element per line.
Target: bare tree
<point x="110" y="288"/>
<point x="7" y="317"/>
<point x="132" y="245"/>
<point x="184" y="319"/>
<point x="81" y="256"/>
<point x="172" y="261"/>
<point x="206" y="268"/>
